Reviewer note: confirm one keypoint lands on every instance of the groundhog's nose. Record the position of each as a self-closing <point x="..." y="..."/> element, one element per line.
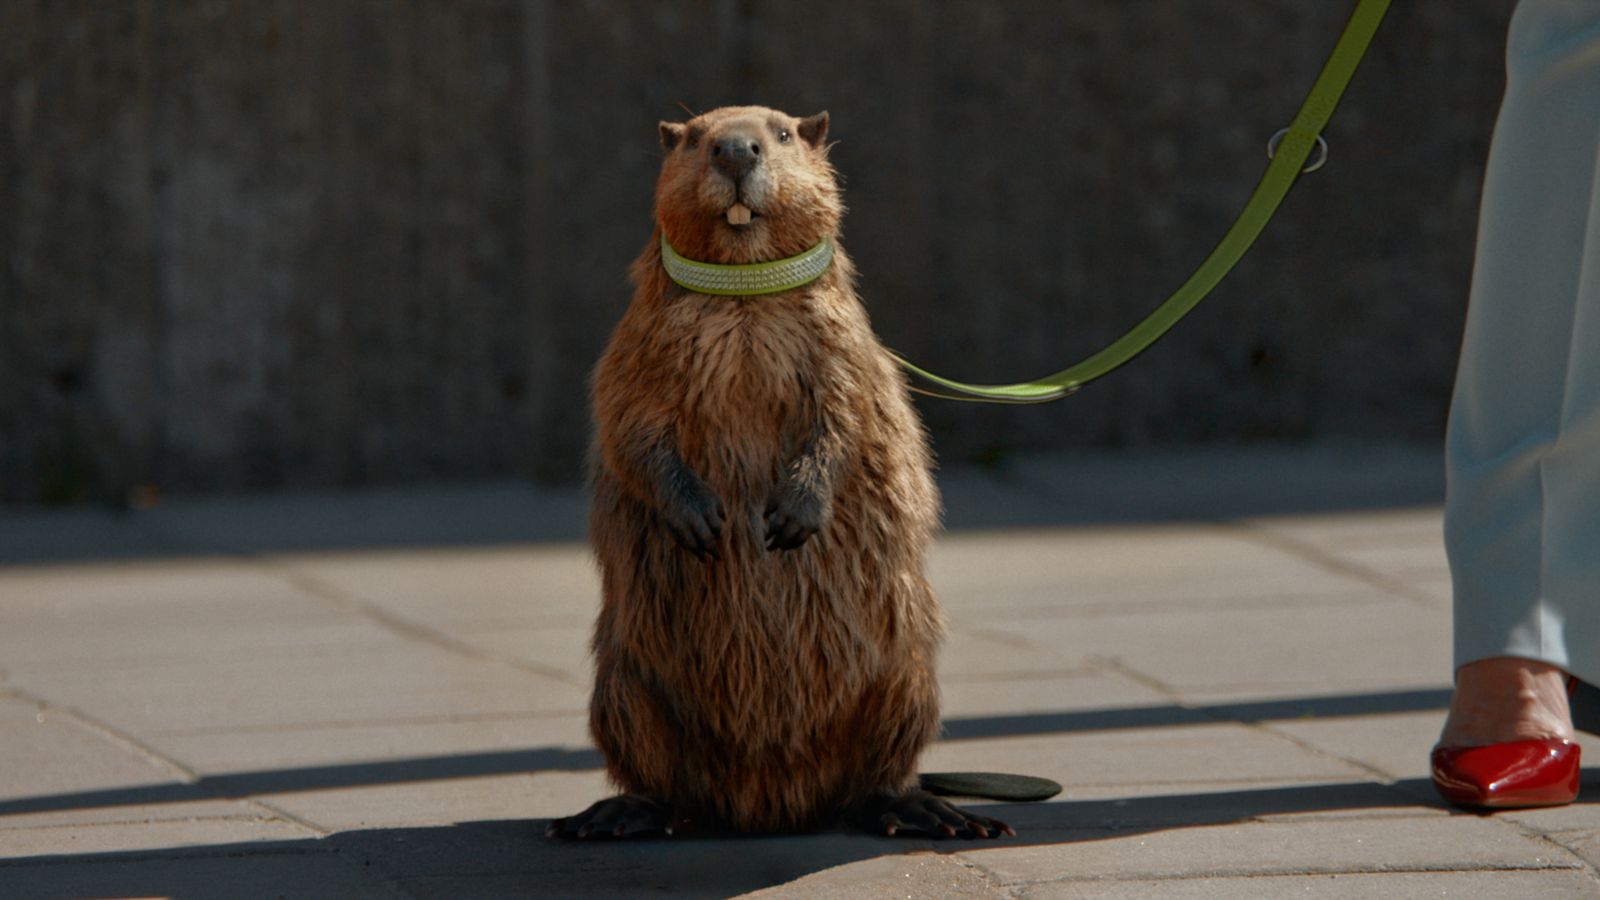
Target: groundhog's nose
<point x="736" y="156"/>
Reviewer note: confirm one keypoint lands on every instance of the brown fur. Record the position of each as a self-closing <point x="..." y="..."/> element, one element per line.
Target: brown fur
<point x="770" y="690"/>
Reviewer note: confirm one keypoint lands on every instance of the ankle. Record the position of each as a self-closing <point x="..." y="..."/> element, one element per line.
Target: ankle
<point x="1507" y="699"/>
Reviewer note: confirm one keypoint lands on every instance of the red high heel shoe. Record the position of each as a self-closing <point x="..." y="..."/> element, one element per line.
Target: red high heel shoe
<point x="1515" y="774"/>
<point x="1539" y="772"/>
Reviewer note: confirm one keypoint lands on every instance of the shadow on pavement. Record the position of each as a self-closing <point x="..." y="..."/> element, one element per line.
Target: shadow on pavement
<point x="1165" y="716"/>
<point x="514" y="859"/>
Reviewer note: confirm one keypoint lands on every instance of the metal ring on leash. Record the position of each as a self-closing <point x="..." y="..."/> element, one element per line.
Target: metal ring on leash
<point x="1317" y="161"/>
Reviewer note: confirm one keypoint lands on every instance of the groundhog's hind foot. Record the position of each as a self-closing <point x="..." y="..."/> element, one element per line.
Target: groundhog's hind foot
<point x="626" y="815"/>
<point x="919" y="811"/>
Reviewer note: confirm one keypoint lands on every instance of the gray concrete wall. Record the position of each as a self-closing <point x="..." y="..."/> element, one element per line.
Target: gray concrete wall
<point x="289" y="242"/>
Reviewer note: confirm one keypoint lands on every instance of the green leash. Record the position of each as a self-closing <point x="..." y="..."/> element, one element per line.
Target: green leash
<point x="1288" y="161"/>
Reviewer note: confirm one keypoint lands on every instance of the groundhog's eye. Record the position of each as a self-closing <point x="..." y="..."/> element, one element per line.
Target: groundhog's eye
<point x="783" y="135"/>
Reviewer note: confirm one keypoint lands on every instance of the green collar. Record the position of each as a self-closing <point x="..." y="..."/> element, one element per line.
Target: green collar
<point x="749" y="279"/>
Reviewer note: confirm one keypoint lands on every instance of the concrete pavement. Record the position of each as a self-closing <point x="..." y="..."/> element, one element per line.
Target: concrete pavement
<point x="1235" y="660"/>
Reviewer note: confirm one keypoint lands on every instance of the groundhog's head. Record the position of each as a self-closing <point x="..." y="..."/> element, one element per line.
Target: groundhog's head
<point x="746" y="184"/>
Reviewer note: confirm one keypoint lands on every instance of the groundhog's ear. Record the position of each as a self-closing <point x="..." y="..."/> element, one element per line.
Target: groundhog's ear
<point x="814" y="129"/>
<point x="672" y="134"/>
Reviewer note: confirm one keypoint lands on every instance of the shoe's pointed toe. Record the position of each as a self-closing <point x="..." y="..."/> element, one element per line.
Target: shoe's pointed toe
<point x="1539" y="772"/>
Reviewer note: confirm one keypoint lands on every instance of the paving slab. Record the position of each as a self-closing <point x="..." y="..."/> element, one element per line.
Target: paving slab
<point x="181" y="586"/>
<point x="984" y="575"/>
<point x="1578" y="818"/>
<point x="426" y="800"/>
<point x="1363" y="886"/>
<point x="51" y="755"/>
<point x="1408" y="536"/>
<point x="977" y="653"/>
<point x="1200" y="753"/>
<point x="977" y="702"/>
<point x="555" y="646"/>
<point x="1318" y="649"/>
<point x="544" y="740"/>
<point x="388" y="678"/>
<point x="1385" y="744"/>
<point x="1202" y="484"/>
<point x="525" y="584"/>
<point x="283" y="626"/>
<point x="1319" y="847"/>
<point x="1583" y="843"/>
<point x="157" y="834"/>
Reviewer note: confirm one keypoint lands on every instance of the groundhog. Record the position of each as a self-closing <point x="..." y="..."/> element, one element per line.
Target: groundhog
<point x="762" y="504"/>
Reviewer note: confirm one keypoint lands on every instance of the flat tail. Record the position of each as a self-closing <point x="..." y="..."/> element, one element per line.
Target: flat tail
<point x="989" y="786"/>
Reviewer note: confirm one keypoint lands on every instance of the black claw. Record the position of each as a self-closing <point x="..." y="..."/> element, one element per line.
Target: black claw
<point x="695" y="518"/>
<point x="793" y="516"/>
<point x="922" y="812"/>
<point x="627" y="815"/>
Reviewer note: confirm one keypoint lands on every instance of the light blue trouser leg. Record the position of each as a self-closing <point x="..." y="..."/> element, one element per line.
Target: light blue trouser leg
<point x="1522" y="513"/>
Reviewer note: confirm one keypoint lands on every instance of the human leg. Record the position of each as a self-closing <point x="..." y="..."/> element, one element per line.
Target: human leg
<point x="1522" y="514"/>
<point x="1523" y="510"/>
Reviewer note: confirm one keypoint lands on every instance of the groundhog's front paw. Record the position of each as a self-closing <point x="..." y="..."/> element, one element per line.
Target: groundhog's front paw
<point x="695" y="519"/>
<point x="793" y="516"/>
